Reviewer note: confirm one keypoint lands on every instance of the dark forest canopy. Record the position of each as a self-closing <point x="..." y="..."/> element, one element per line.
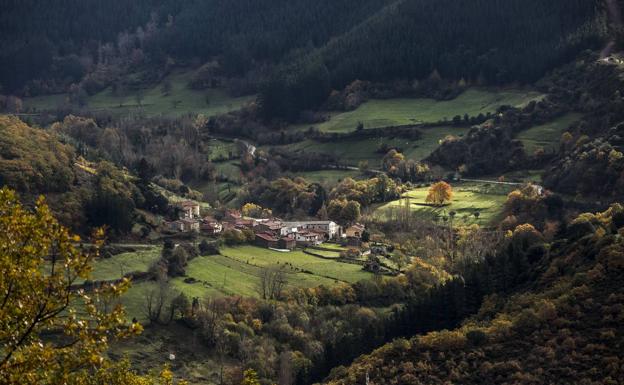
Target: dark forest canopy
<point x="308" y="46"/>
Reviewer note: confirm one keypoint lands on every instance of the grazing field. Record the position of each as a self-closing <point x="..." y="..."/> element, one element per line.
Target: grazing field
<point x="116" y="266"/>
<point x="328" y="177"/>
<point x="152" y="101"/>
<point x="353" y="151"/>
<point x="393" y="112"/>
<point x="236" y="272"/>
<point x="547" y="136"/>
<point x="468" y="199"/>
<point x="317" y="266"/>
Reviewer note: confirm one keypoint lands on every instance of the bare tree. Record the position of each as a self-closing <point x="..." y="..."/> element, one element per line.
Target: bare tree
<point x="273" y="280"/>
<point x="156" y="300"/>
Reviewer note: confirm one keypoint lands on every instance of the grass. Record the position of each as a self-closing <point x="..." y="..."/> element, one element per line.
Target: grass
<point x="353" y="151"/>
<point x="468" y="198"/>
<point x="327" y="177"/>
<point x="325" y="253"/>
<point x="392" y="112"/>
<point x="220" y="149"/>
<point x="547" y="136"/>
<point x="236" y="272"/>
<point x="231" y="169"/>
<point x="317" y="266"/>
<point x="209" y="102"/>
<point x="120" y="264"/>
<point x="333" y="246"/>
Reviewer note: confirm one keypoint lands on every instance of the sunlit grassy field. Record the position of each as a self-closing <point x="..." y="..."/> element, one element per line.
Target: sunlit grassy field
<point x="468" y="199"/>
<point x="393" y="112"/>
<point x="236" y="272"/>
<point x="317" y="266"/>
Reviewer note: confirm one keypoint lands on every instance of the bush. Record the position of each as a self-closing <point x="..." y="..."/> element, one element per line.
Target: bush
<point x="476" y="337"/>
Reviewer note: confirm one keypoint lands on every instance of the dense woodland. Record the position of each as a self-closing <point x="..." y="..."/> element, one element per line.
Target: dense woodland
<point x="296" y="53"/>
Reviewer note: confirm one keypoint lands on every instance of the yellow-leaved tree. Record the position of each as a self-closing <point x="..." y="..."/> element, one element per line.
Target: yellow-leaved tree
<point x="439" y="194"/>
<point x="52" y="330"/>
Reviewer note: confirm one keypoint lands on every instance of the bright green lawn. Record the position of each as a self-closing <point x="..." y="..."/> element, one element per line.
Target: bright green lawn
<point x="468" y="198"/>
<point x="547" y="136"/>
<point x="153" y="101"/>
<point x="326" y="268"/>
<point x="393" y="112"/>
<point x="121" y="264"/>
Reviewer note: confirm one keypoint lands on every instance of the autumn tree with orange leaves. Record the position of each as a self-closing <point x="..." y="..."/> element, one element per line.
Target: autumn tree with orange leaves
<point x="439" y="194"/>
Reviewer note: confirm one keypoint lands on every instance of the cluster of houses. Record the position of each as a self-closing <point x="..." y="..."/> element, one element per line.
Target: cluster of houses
<point x="269" y="233"/>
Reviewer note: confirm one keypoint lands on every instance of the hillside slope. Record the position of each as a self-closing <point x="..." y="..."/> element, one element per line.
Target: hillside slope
<point x="563" y="328"/>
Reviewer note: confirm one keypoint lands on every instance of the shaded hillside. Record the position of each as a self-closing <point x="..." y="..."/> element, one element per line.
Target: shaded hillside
<point x="488" y="41"/>
<point x="501" y="41"/>
<point x="563" y="328"/>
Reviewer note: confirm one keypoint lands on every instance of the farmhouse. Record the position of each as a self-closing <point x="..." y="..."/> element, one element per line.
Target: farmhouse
<point x="329" y="228"/>
<point x="266" y="240"/>
<point x="243" y="224"/>
<point x="272" y="226"/>
<point x="309" y="238"/>
<point x="355" y="230"/>
<point x="232" y="216"/>
<point x="287" y="243"/>
<point x="189" y="209"/>
<point x="211" y="226"/>
<point x="183" y="225"/>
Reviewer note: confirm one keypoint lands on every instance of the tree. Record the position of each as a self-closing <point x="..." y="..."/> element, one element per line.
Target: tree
<point x="273" y="280"/>
<point x="250" y="377"/>
<point x="351" y="212"/>
<point x="439" y="194"/>
<point x="40" y="265"/>
<point x="255" y="211"/>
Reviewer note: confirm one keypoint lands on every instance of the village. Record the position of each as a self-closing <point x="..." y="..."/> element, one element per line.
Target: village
<point x="272" y="233"/>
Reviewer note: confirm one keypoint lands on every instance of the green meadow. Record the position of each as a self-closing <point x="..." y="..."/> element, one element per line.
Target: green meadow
<point x="236" y="271"/>
<point x="353" y="151"/>
<point x="152" y="101"/>
<point x="547" y="136"/>
<point x="468" y="199"/>
<point x="394" y="112"/>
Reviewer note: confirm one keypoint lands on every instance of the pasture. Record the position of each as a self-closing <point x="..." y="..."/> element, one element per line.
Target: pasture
<point x="395" y="112"/>
<point x="547" y="136"/>
<point x="236" y="272"/>
<point x="152" y="101"/>
<point x="468" y="199"/>
<point x="298" y="260"/>
<point x="353" y="151"/>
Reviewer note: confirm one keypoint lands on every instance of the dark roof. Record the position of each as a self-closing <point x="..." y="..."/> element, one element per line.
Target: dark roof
<point x="266" y="237"/>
